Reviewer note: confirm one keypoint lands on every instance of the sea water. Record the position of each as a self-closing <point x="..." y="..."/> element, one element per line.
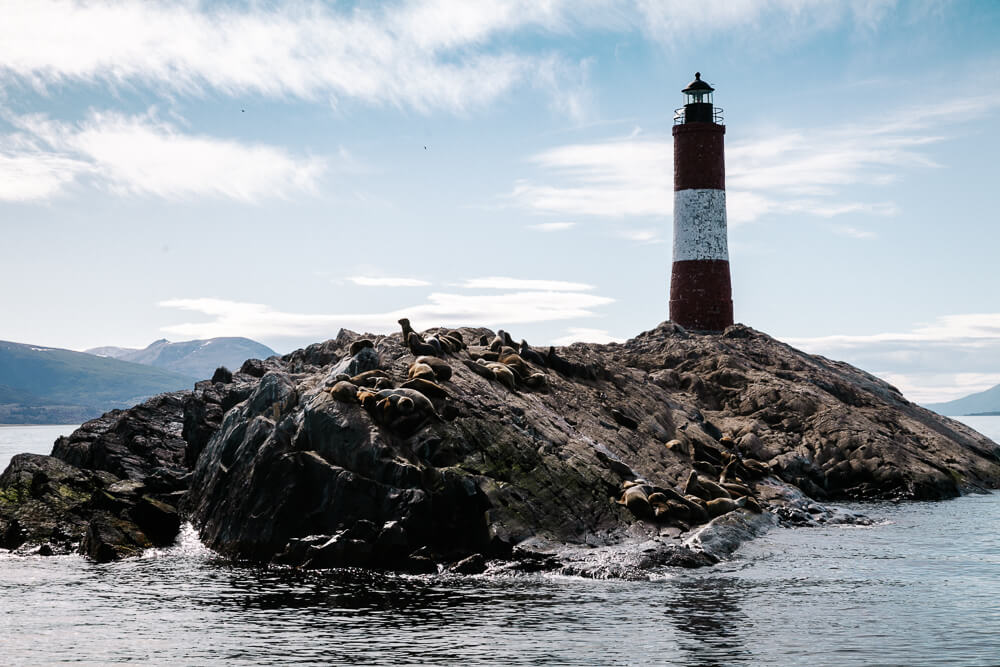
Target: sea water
<point x="919" y="587"/>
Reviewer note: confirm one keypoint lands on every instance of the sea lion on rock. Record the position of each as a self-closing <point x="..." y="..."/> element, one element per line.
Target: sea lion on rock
<point x="345" y="392"/>
<point x="503" y="374"/>
<point x="680" y="447"/>
<point x="704" y="488"/>
<point x="402" y="409"/>
<point x="359" y="345"/>
<point x="426" y="387"/>
<point x="635" y="499"/>
<point x="516" y="364"/>
<point x="719" y="506"/>
<point x="497" y="343"/>
<point x="750" y="503"/>
<point x="478" y="368"/>
<point x="382" y="383"/>
<point x="407" y="329"/>
<point x="736" y="490"/>
<point x="368" y="378"/>
<point x="442" y="371"/>
<point x="418" y="346"/>
<point x="756" y="468"/>
<point x="530" y="355"/>
<point x="420" y="370"/>
<point x="535" y="381"/>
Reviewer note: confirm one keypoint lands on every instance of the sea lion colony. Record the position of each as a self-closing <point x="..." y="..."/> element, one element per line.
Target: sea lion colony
<point x="407" y="405"/>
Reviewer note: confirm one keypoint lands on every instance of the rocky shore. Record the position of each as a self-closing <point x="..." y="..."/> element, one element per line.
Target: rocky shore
<point x="466" y="450"/>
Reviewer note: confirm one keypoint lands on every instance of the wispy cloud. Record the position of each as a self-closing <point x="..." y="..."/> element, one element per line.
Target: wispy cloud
<point x="552" y="226"/>
<point x="585" y="335"/>
<point x="367" y="281"/>
<point x="641" y="235"/>
<point x="936" y="361"/>
<point x="142" y="155"/>
<point x="502" y="282"/>
<point x="854" y="232"/>
<point x="792" y="172"/>
<point x="423" y="55"/>
<point x="226" y="318"/>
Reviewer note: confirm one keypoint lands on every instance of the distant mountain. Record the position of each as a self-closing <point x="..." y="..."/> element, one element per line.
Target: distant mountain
<point x="194" y="358"/>
<point x="973" y="404"/>
<point x="45" y="385"/>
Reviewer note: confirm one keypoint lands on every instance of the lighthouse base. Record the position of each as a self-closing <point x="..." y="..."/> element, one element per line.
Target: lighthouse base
<point x="701" y="295"/>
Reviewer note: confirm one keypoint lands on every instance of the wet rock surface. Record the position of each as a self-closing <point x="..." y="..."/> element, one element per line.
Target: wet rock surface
<point x="460" y="450"/>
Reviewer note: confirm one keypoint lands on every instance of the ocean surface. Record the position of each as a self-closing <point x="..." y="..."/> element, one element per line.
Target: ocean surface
<point x="920" y="587"/>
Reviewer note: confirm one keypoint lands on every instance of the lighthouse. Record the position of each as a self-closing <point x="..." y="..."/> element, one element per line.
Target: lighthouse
<point x="701" y="293"/>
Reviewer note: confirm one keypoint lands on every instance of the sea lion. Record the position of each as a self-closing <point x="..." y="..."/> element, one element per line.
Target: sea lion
<point x="507" y="340"/>
<point x="497" y="343"/>
<point x="407" y="329"/>
<point x="680" y="447"/>
<point x="736" y="490"/>
<point x="442" y="371"/>
<point x="750" y="503"/>
<point x="359" y="345"/>
<point x="418" y="346"/>
<point x="535" y="381"/>
<point x="719" y="506"/>
<point x="635" y="499"/>
<point x="366" y="398"/>
<point x="756" y="468"/>
<point x="704" y="488"/>
<point x="368" y="378"/>
<point x="345" y="392"/>
<point x="503" y="374"/>
<point x="402" y="409"/>
<point x="699" y="510"/>
<point x="426" y="387"/>
<point x="484" y="341"/>
<point x="434" y="342"/>
<point x="530" y="355"/>
<point x="478" y="369"/>
<point x="382" y="383"/>
<point x="420" y="370"/>
<point x="516" y="364"/>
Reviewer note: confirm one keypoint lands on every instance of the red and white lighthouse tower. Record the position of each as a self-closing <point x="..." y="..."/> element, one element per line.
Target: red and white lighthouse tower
<point x="701" y="293"/>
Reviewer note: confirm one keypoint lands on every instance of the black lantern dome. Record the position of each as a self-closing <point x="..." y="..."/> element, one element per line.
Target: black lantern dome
<point x="698" y="104"/>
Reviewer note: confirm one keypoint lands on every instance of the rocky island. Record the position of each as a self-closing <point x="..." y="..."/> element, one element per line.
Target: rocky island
<point x="467" y="450"/>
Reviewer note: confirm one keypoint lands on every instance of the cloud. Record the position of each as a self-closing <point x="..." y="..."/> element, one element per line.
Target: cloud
<point x="810" y="172"/>
<point x="584" y="335"/>
<point x="501" y="282"/>
<point x="641" y="235"/>
<point x="423" y="55"/>
<point x="552" y="226"/>
<point x="142" y="155"/>
<point x="936" y="361"/>
<point x="229" y="318"/>
<point x="366" y="281"/>
<point x="854" y="232"/>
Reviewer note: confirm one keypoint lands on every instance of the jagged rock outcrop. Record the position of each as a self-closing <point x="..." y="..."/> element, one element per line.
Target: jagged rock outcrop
<point x="456" y="447"/>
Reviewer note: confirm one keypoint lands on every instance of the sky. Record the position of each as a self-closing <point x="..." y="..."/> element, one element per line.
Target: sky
<point x="282" y="170"/>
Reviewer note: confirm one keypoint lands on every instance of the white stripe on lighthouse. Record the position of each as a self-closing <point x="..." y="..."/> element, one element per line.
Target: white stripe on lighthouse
<point x="700" y="225"/>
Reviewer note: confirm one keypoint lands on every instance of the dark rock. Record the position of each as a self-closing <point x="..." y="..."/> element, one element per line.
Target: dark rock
<point x="223" y="375"/>
<point x="130" y="443"/>
<point x="474" y="564"/>
<point x="159" y="521"/>
<point x="109" y="538"/>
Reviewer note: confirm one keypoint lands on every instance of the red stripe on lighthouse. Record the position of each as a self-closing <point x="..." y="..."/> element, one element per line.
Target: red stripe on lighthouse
<point x="699" y="156"/>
